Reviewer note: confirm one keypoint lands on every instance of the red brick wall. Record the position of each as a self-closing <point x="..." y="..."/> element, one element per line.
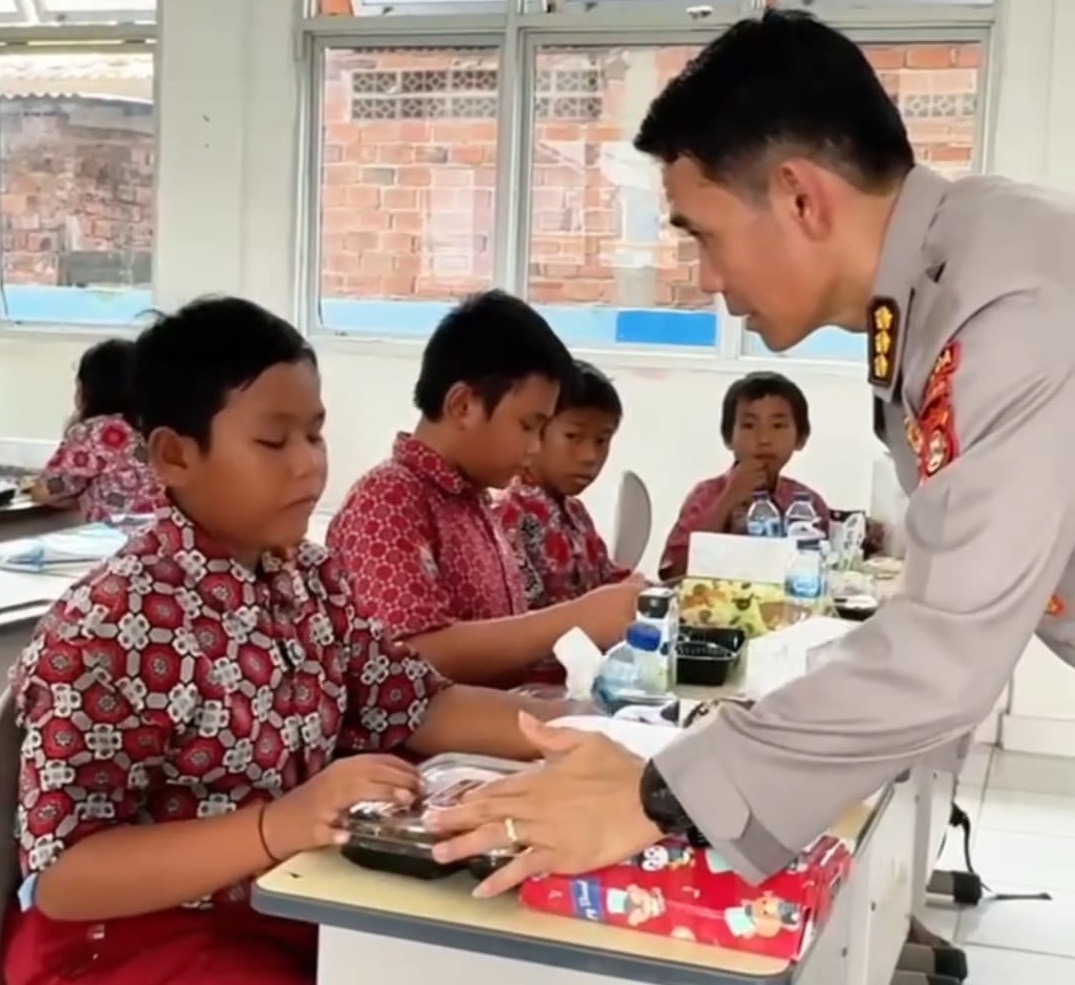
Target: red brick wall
<point x="75" y="175"/>
<point x="408" y="202"/>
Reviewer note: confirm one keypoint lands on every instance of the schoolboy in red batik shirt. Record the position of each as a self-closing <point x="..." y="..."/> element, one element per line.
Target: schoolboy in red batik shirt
<point x="417" y="534"/>
<point x="101" y="466"/>
<point x="189" y="707"/>
<point x="560" y="552"/>
<point x="764" y="421"/>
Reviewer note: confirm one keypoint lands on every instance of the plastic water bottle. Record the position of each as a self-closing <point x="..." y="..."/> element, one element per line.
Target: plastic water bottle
<point x="763" y="518"/>
<point x="801" y="520"/>
<point x="804" y="582"/>
<point x="619" y="671"/>
<point x="645" y="642"/>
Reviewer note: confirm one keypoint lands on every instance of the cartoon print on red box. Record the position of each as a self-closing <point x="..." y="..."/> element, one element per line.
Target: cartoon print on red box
<point x="693" y="894"/>
<point x="665" y="856"/>
<point x="633" y="904"/>
<point x="765" y="916"/>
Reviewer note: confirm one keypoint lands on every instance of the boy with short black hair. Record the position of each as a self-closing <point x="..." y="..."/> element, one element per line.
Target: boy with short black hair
<point x="417" y="534"/>
<point x="560" y="552"/>
<point x="190" y="706"/>
<point x="764" y="420"/>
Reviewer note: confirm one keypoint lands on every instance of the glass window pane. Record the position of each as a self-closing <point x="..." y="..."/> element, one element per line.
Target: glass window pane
<point x="408" y="181"/>
<point x="604" y="265"/>
<point x="359" y="8"/>
<point x="78" y="11"/>
<point x="77" y="155"/>
<point x="936" y="87"/>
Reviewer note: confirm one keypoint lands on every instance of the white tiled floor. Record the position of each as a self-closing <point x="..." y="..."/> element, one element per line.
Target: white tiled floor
<point x="1023" y="812"/>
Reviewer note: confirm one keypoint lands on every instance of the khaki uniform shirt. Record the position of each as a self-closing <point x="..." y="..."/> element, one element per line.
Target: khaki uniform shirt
<point x="972" y="352"/>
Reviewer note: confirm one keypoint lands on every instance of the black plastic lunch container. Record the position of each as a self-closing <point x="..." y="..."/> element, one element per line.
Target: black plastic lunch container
<point x="706" y="656"/>
<point x="389" y="838"/>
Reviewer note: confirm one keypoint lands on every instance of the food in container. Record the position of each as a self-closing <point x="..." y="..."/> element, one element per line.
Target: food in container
<point x="392" y="838"/>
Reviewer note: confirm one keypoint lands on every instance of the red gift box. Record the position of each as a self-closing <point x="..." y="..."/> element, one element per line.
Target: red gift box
<point x="692" y="894"/>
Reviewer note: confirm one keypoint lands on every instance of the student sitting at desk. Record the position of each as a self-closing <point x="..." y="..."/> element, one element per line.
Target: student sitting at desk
<point x="560" y="552"/>
<point x="417" y="533"/>
<point x="189" y="706"/>
<point x="765" y="419"/>
<point x="101" y="466"/>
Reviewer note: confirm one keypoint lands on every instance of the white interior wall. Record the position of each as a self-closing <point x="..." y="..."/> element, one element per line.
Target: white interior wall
<point x="229" y="85"/>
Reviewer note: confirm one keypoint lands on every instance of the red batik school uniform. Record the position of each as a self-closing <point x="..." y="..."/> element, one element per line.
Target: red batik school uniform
<point x="422" y="546"/>
<point x="560" y="552"/>
<point x="103" y="465"/>
<point x="174" y="683"/>
<point x="697" y="510"/>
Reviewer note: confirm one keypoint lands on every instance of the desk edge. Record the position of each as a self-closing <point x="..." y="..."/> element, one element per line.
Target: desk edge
<point x="556" y="954"/>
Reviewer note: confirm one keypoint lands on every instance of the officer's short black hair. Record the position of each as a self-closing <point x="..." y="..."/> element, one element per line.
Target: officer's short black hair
<point x="492" y="342"/>
<point x="755" y="386"/>
<point x="187" y="363"/>
<point x="782" y="83"/>
<point x="104" y="377"/>
<point x="590" y="389"/>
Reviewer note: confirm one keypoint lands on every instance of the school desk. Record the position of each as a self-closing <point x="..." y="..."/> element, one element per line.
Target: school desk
<point x="22" y="517"/>
<point x="411" y="931"/>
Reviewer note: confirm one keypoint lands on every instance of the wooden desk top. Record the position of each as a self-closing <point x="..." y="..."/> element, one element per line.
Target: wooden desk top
<point x="323" y="887"/>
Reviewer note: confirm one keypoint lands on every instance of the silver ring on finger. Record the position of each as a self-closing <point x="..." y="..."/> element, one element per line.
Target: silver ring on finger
<point x="512" y="832"/>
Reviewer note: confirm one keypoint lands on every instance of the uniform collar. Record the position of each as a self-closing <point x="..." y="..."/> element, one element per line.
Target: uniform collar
<point x="204" y="561"/>
<point x="901" y="265"/>
<point x="423" y="461"/>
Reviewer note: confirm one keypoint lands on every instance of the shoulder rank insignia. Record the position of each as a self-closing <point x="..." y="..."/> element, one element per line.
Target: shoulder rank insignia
<point x="884" y="329"/>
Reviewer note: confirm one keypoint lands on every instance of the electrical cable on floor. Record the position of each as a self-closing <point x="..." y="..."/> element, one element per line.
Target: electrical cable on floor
<point x="968" y="888"/>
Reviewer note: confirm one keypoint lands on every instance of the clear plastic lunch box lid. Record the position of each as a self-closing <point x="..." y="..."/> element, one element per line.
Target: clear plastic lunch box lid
<point x="446" y="779"/>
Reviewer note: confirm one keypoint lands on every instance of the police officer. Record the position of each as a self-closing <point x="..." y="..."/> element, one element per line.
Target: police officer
<point x="788" y="164"/>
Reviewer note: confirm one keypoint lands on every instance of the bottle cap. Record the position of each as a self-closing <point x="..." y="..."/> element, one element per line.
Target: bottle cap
<point x="643" y="636"/>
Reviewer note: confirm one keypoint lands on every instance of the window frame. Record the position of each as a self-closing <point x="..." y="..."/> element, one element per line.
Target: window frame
<point x="519" y="37"/>
<point x="36" y="13"/>
<point x="84" y="39"/>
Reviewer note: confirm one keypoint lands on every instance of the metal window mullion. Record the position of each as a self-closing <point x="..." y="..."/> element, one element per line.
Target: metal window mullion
<point x="346" y="32"/>
<point x="75" y="37"/>
<point x="732" y="343"/>
<point x="511" y="211"/>
<point x="308" y="267"/>
<point x="30" y="11"/>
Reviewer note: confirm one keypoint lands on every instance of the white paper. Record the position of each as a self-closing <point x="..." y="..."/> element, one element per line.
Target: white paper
<point x="734" y="558"/>
<point x="642" y="739"/>
<point x="581" y="658"/>
<point x="780" y="657"/>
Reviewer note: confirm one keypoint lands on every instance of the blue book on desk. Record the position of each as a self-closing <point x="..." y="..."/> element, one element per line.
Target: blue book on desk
<point x="64" y="551"/>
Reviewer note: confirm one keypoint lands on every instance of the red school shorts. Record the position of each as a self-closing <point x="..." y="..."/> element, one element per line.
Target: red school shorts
<point x="223" y="946"/>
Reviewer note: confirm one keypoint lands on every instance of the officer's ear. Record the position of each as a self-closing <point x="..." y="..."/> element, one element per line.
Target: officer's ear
<point x="800" y="188"/>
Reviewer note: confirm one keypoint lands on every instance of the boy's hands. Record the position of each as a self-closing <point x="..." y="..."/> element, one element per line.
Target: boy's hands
<point x="605" y="613"/>
<point x="745" y="479"/>
<point x="309" y="816"/>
